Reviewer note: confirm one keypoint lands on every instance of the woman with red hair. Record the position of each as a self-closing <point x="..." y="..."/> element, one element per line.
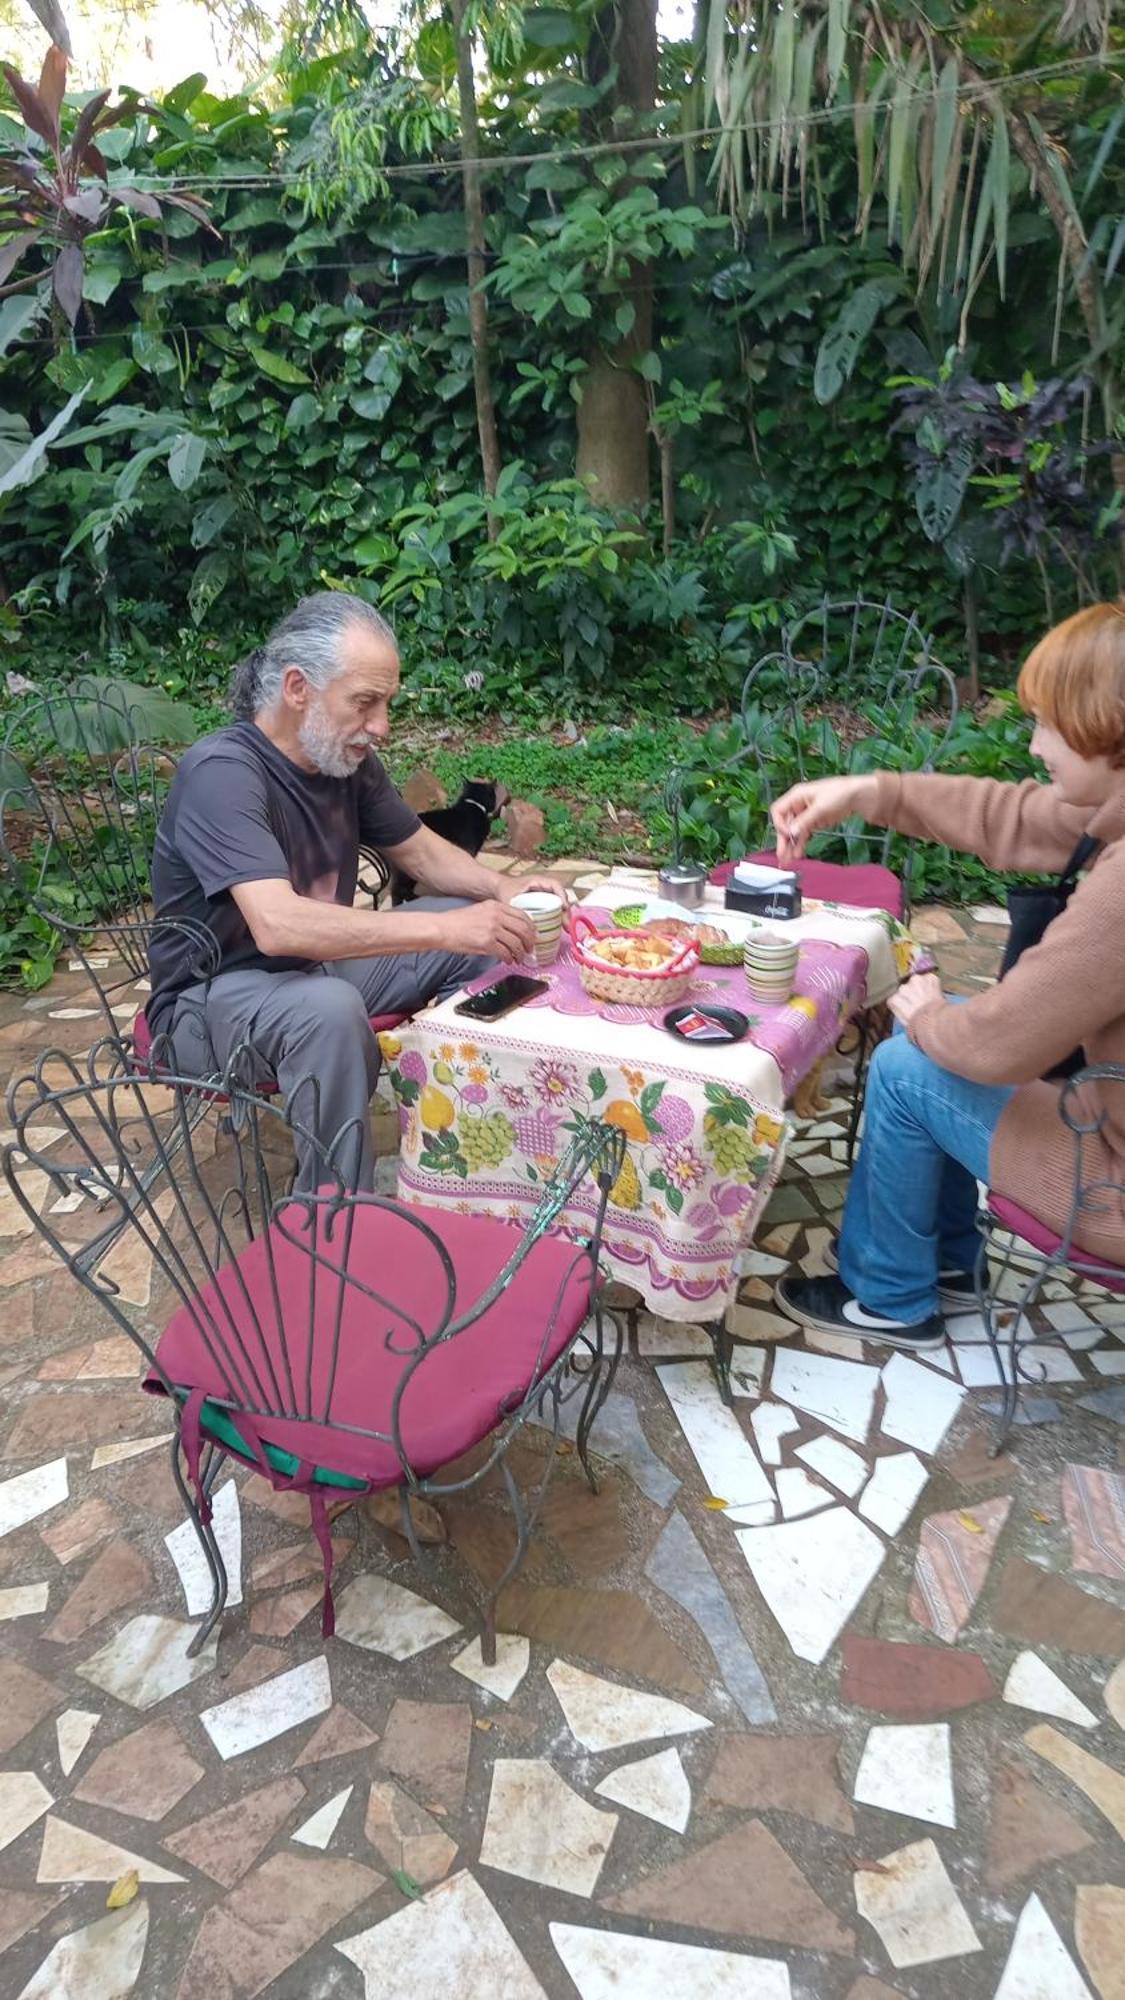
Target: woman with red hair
<point x="957" y="1096"/>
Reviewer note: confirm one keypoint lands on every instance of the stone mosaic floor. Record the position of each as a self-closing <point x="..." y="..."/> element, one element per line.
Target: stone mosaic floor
<point x="815" y="1701"/>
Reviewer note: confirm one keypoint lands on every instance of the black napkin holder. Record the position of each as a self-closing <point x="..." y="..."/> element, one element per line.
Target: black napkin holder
<point x="779" y="903"/>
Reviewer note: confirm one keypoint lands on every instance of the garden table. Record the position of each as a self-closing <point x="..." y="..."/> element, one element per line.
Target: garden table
<point x="485" y="1108"/>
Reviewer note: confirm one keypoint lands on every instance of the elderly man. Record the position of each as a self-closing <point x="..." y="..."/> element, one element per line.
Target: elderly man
<point x="259" y="844"/>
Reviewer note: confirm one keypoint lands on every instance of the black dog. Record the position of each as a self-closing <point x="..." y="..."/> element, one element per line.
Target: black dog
<point x="467" y="823"/>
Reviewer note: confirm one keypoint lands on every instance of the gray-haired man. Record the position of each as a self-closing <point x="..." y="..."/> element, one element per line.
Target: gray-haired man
<point x="259" y="842"/>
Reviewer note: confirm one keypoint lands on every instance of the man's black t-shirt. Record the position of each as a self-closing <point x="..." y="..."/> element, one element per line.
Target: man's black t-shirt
<point x="240" y="811"/>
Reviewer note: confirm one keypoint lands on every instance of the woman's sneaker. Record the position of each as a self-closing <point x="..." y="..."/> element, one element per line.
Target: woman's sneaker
<point x="957" y="1290"/>
<point x="827" y="1306"/>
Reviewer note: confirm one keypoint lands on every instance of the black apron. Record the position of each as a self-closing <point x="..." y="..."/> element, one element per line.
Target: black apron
<point x="1031" y="909"/>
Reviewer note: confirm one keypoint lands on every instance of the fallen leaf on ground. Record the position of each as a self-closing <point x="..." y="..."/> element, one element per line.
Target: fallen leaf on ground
<point x="123" y="1890"/>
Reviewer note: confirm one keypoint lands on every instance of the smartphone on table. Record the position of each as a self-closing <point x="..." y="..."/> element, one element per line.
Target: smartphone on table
<point x="500" y="998"/>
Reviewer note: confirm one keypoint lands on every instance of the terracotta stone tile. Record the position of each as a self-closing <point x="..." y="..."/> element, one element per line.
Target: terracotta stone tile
<point x="385" y="1510"/>
<point x="970" y="1464"/>
<point x="1027" y="1828"/>
<point x="145" y="1485"/>
<point x="97" y="1359"/>
<point x="340" y="1733"/>
<point x="226" y="1843"/>
<point x="117" y="1577"/>
<point x="741" y="1885"/>
<point x="145" y="1774"/>
<point x="1099" y="1932"/>
<point x="911" y="1681"/>
<point x="255" y="1666"/>
<point x="59" y="1420"/>
<point x="954" y="1553"/>
<point x="587" y="1528"/>
<point x="292" y="1564"/>
<point x="292" y="1508"/>
<point x="1094" y="1504"/>
<point x="409" y="1840"/>
<point x="1102" y="1785"/>
<point x="274" y="1916"/>
<point x="1047" y="1610"/>
<point x="872" y="1989"/>
<point x="32" y="1260"/>
<point x="796" y="1774"/>
<point x="20" y="1911"/>
<point x="426" y="1744"/>
<point x="277" y="1617"/>
<point x="483" y="1535"/>
<point x="610" y="1628"/>
<point x="25" y="1699"/>
<point x="81" y="1530"/>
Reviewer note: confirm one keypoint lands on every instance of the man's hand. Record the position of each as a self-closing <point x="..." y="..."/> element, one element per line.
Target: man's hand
<point x="809" y="807"/>
<point x="508" y="886"/>
<point x="919" y="992"/>
<point x="488" y="930"/>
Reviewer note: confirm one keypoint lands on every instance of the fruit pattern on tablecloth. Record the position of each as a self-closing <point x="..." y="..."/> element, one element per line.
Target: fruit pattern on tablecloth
<point x="701" y="1156"/>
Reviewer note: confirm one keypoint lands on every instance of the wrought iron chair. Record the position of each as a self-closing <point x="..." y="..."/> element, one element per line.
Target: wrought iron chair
<point x="334" y="1341"/>
<point x="789" y="728"/>
<point x="1013" y="1240"/>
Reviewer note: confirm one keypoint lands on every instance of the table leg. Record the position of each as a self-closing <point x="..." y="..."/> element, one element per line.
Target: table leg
<point x="722" y="1355"/>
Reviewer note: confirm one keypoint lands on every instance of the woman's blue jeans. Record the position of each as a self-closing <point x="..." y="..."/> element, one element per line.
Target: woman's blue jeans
<point x="912" y="1202"/>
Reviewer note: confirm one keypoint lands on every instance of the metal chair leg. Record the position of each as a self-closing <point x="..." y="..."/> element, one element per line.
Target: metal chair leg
<point x="601" y="1381"/>
<point x="205" y="1535"/>
<point x="862" y="1064"/>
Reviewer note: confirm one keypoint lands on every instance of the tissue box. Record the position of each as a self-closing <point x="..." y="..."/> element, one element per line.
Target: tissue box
<point x="779" y="901"/>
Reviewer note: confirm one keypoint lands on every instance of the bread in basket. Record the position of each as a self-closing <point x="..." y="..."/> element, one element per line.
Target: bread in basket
<point x="631" y="969"/>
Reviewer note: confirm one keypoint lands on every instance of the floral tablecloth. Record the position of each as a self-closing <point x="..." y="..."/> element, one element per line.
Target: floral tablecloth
<point x="486" y="1108"/>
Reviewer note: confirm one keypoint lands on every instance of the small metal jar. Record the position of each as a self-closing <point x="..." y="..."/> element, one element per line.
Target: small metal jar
<point x="683" y="882"/>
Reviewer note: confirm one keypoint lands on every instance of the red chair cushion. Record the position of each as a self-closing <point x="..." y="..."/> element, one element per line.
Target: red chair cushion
<point x="1010" y="1216"/>
<point x="864" y="885"/>
<point x="456" y="1396"/>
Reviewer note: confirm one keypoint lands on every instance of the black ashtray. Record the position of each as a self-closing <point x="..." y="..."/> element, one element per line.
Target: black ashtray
<point x="726" y="1025"/>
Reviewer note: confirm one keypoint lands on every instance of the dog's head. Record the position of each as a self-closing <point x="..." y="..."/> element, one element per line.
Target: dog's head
<point x="490" y="797"/>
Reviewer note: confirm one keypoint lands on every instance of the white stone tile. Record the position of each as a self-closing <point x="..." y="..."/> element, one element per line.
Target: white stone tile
<point x="665" y="1339"/>
<point x="890" y="1493"/>
<point x="920" y="1405"/>
<point x="73" y="1730"/>
<point x="1109" y="1360"/>
<point x="183" y="1546"/>
<point x="747" y="1370"/>
<point x="1069" y="1318"/>
<point x="70" y="1854"/>
<point x="448" y="1942"/>
<point x="819" y="1164"/>
<point x="655" y="1786"/>
<point x="602" y="1715"/>
<point x="910" y="1901"/>
<point x="1039" y="1361"/>
<point x="838" y="1393"/>
<point x="100" y="1962"/>
<point x="843" y="1468"/>
<point x="513" y="1656"/>
<point x="115" y="1454"/>
<point x="940" y="1357"/>
<point x="770" y="1423"/>
<point x="760" y="1264"/>
<point x="23" y="1600"/>
<point x="837" y="1344"/>
<point x="30" y="1494"/>
<point x="317" y="1831"/>
<point x="813" y="1574"/>
<point x="720" y="1446"/>
<point x="541" y="1830"/>
<point x="73" y="1013"/>
<point x="906" y="1768"/>
<point x="799" y="1494"/>
<point x="759" y="1322"/>
<point x="148" y="1660"/>
<point x="23" y="1800"/>
<point x="608" y="1965"/>
<point x="384" y="1617"/>
<point x="1039" y="1967"/>
<point x="990" y="913"/>
<point x="268" y="1710"/>
<point x="1031" y="1683"/>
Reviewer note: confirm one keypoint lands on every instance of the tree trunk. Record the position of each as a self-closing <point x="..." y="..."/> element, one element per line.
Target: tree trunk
<point x="613" y="419"/>
<point x="474" y="258"/>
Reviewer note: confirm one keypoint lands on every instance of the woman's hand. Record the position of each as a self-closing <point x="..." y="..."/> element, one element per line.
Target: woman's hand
<point x="919" y="992"/>
<point x="807" y="808"/>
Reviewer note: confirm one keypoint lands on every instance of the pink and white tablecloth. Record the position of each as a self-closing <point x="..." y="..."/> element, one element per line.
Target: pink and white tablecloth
<point x="486" y="1109"/>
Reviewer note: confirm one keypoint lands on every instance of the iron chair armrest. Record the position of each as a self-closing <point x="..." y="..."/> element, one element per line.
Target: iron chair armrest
<point x="1069" y="1110"/>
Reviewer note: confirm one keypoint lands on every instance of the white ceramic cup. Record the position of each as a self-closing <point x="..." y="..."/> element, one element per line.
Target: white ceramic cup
<point x="546" y="914"/>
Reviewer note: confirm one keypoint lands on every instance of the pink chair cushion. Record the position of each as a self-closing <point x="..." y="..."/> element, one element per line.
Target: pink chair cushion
<point x="866" y="885"/>
<point x="1010" y="1216"/>
<point x="142" y="1033"/>
<point x="456" y="1396"/>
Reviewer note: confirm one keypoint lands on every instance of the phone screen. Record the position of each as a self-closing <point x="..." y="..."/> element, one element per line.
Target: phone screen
<point x="509" y="992"/>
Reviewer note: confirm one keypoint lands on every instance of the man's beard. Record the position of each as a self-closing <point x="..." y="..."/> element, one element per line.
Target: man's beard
<point x="327" y="749"/>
